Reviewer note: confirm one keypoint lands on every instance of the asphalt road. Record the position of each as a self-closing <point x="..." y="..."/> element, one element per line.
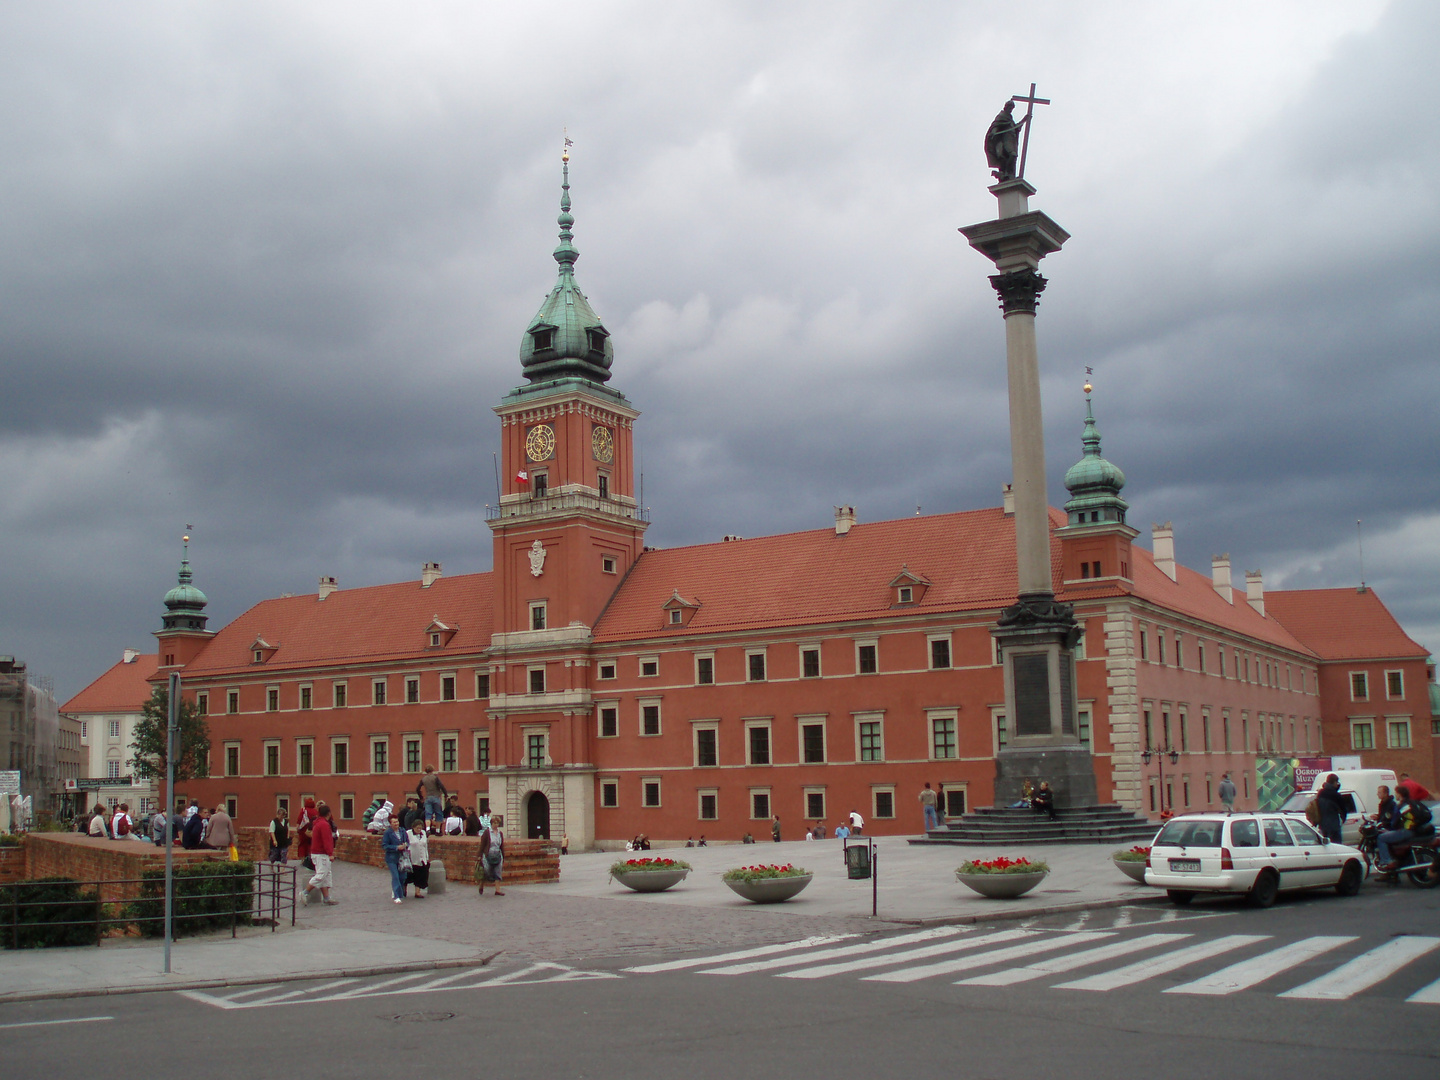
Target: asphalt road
<point x="1317" y="986"/>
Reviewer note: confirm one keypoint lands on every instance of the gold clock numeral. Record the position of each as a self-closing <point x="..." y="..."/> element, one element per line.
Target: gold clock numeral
<point x="602" y="442"/>
<point x="540" y="443"/>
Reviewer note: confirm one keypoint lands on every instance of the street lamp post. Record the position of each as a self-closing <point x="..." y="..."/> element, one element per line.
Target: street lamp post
<point x="1159" y="756"/>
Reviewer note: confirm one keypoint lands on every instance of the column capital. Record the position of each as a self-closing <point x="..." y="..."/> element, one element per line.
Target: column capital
<point x="1019" y="290"/>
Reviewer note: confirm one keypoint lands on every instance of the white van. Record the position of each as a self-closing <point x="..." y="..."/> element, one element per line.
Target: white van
<point x="1357" y="792"/>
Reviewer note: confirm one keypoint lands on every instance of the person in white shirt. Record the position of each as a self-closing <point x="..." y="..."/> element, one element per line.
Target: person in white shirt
<point x="857" y="823"/>
<point x="419" y="875"/>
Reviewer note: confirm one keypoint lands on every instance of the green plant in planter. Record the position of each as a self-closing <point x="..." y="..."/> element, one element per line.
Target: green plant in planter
<point x="1002" y="865"/>
<point x="1135" y="854"/>
<point x="9" y="840"/>
<point x="40" y="908"/>
<point x="759" y="873"/>
<point x="208" y="896"/>
<point x="630" y="866"/>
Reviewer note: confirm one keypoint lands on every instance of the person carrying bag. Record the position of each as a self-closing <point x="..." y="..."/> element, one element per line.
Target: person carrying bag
<point x="492" y="857"/>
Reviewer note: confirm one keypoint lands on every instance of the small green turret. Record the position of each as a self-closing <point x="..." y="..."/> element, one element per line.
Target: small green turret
<point x="1094" y="483"/>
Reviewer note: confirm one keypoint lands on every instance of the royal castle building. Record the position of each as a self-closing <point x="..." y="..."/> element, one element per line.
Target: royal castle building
<point x="591" y="686"/>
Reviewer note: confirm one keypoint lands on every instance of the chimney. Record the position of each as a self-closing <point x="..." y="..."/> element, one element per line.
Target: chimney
<point x="1007" y="499"/>
<point x="327" y="586"/>
<point x="1255" y="590"/>
<point x="1220" y="577"/>
<point x="844" y="519"/>
<point x="1162" y="542"/>
<point x="129" y="655"/>
<point x="429" y="574"/>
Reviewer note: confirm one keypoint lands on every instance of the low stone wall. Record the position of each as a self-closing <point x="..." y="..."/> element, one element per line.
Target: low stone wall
<point x="527" y="862"/>
<point x="93" y="858"/>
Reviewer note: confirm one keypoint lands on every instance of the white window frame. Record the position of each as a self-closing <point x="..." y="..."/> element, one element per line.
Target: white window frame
<point x="225" y="759"/>
<point x="1399" y="674"/>
<point x="412" y="682"/>
<point x="600" y="707"/>
<point x="930" y="641"/>
<point x="475" y="741"/>
<point x="1409" y="742"/>
<point x="349" y="761"/>
<point x="872" y="643"/>
<point x="379" y="688"/>
<point x="407" y="740"/>
<point x="612" y="783"/>
<point x="869" y="717"/>
<point x="811" y="720"/>
<point x="769" y="804"/>
<point x="704" y="656"/>
<point x="343" y="686"/>
<point x="609" y="564"/>
<point x="640" y="666"/>
<point x="440" y="738"/>
<point x="1365" y="675"/>
<point x="812" y="646"/>
<point x="649" y="703"/>
<point x="273" y="688"/>
<point x="815" y="789"/>
<point x="543" y="608"/>
<point x="530" y="679"/>
<point x="952" y="715"/>
<point x="605" y="670"/>
<point x="697" y="726"/>
<point x="645" y="803"/>
<point x="542" y="730"/>
<point x="265" y="748"/>
<point x="232" y="701"/>
<point x="301" y="692"/>
<point x="370" y="764"/>
<point x="768" y="725"/>
<point x="298" y="744"/>
<point x="700" y="794"/>
<point x="454" y="678"/>
<point x="1358" y="722"/>
<point x="876" y="790"/>
<point x="764" y="663"/>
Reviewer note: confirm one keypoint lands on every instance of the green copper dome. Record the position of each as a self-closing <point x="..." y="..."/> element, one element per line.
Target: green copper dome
<point x="1094" y="483"/>
<point x="566" y="339"/>
<point x="184" y="604"/>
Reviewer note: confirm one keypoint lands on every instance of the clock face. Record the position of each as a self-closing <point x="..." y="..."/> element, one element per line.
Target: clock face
<point x="540" y="443"/>
<point x="603" y="443"/>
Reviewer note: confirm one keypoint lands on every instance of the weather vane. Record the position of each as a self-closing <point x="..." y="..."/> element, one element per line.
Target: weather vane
<point x="569" y="142"/>
<point x="1004" y="143"/>
<point x="1088" y="372"/>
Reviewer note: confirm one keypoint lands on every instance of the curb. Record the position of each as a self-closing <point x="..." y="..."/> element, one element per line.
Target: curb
<point x="253" y="980"/>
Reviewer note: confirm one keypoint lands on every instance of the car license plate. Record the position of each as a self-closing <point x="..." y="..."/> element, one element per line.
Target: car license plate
<point x="1181" y="866"/>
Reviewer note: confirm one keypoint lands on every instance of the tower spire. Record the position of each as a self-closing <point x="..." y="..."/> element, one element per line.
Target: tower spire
<point x="184" y="604"/>
<point x="565" y="254"/>
<point x="1094" y="483"/>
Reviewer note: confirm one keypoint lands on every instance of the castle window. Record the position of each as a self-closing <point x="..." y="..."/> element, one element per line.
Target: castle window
<point x="607" y="564"/>
<point x="447" y="688"/>
<point x="609" y="794"/>
<point x="707" y="750"/>
<point x="650" y="719"/>
<point x="272" y="699"/>
<point x="940" y="653"/>
<point x="757" y="742"/>
<point x="708" y="808"/>
<point x="537" y="680"/>
<point x="272" y="759"/>
<point x="609" y="722"/>
<point x="539" y="485"/>
<point x="482" y="684"/>
<point x="537" y="615"/>
<point x="596" y="338"/>
<point x="604" y="484"/>
<point x="810" y="663"/>
<point x="759" y="804"/>
<point x="340" y="758"/>
<point x="202" y="704"/>
<point x="866" y="659"/>
<point x="377" y="692"/>
<point x="907" y="594"/>
<point x="232" y="701"/>
<point x="812" y="743"/>
<point x="434" y="641"/>
<point x="449" y="756"/>
<point x="1395" y="684"/>
<point x="704" y="670"/>
<point x="607" y="671"/>
<point x="871" y="739"/>
<point x="306" y="697"/>
<point x="543" y="337"/>
<point x="649" y="667"/>
<point x="305" y="758"/>
<point x="259" y="656"/>
<point x="482" y="753"/>
<point x="755" y="666"/>
<point x="340" y="694"/>
<point x="676" y="616"/>
<point x="650" y="789"/>
<point x="1359" y="686"/>
<point x="535" y="751"/>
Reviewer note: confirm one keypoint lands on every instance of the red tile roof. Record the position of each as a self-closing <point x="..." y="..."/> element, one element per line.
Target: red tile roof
<point x="374" y="624"/>
<point x="124" y="688"/>
<point x="806" y="578"/>
<point x="1343" y="624"/>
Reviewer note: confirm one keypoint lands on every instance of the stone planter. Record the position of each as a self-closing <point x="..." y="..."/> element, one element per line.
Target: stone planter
<point x="650" y="880"/>
<point x="769" y="890"/>
<point x="1134" y="869"/>
<point x="1002" y="886"/>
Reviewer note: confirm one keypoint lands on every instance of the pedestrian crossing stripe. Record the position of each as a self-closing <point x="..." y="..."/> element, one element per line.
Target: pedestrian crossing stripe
<point x="948" y="950"/>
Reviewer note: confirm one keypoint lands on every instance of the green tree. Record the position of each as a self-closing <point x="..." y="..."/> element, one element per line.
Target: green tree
<point x="150" y="751"/>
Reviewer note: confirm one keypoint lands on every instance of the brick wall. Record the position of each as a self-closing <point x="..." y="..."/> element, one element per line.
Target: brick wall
<point x="527" y="862"/>
<point x="12" y="863"/>
<point x="92" y="858"/>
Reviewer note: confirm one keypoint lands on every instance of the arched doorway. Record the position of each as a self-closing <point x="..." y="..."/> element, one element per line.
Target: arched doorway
<point x="537" y="817"/>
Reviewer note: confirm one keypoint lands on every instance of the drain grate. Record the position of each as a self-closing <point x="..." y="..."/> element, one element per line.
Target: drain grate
<point x="422" y="1017"/>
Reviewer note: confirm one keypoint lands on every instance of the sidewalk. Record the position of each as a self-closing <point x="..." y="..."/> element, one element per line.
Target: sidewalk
<point x="585" y="919"/>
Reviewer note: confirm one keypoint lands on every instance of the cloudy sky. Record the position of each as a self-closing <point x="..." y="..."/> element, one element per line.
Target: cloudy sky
<point x="264" y="269"/>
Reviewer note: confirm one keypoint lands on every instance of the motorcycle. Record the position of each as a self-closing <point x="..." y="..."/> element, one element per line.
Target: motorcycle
<point x="1418" y="859"/>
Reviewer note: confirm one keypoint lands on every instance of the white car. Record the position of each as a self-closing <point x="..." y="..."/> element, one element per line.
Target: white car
<point x="1260" y="855"/>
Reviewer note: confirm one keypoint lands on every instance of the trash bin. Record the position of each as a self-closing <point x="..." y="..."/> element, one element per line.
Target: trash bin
<point x="857" y="861"/>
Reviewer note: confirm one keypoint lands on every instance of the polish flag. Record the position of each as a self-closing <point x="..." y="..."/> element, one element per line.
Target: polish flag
<point x="522" y="478"/>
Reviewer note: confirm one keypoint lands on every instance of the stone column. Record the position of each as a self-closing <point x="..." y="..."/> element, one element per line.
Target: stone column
<point x="1036" y="635"/>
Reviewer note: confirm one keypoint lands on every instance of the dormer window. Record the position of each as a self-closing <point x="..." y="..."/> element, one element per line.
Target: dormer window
<point x="678" y="610"/>
<point x="259" y="656"/>
<point x="543" y="337"/>
<point x="595" y="336"/>
<point x="438" y="634"/>
<point x="435" y="641"/>
<point x="676" y="617"/>
<point x="261" y="650"/>
<point x="908" y="587"/>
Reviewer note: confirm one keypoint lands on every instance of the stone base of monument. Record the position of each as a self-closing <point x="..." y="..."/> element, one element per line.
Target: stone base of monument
<point x="1070" y="771"/>
<point x="1000" y="827"/>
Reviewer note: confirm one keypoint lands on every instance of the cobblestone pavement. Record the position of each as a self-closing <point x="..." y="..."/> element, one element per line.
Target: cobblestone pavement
<point x="586" y="917"/>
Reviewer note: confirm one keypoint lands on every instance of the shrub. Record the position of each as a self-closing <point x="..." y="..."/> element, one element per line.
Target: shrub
<point x="9" y="840"/>
<point x="37" y="910"/>
<point x="208" y="896"/>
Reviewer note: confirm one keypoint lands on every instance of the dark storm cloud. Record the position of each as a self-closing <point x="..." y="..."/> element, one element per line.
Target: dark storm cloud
<point x="265" y="270"/>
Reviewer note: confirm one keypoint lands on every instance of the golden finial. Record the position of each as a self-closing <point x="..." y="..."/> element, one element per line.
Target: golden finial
<point x="565" y="153"/>
<point x="1088" y="372"/>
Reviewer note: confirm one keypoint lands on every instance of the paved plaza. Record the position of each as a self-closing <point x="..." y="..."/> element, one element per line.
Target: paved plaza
<point x="584" y="918"/>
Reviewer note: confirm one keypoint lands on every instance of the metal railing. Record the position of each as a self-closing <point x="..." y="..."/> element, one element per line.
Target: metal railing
<point x="270" y="890"/>
<point x="568" y="501"/>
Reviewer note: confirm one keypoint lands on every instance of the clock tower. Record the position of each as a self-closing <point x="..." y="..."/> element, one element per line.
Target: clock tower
<point x="566" y="531"/>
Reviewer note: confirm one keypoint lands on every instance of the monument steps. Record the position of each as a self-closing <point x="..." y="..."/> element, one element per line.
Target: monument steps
<point x="994" y="825"/>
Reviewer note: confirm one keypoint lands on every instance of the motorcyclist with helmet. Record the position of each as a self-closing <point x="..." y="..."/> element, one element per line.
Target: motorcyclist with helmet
<point x="1411" y="814"/>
